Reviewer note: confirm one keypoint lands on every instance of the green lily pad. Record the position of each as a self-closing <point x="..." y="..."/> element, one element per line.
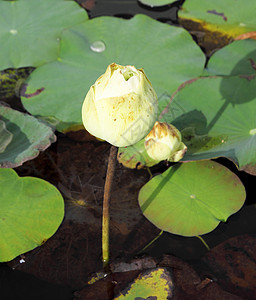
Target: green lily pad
<point x="30" y="30"/>
<point x="191" y="199"/>
<point x="56" y="90"/>
<point x="238" y="58"/>
<point x="155" y="283"/>
<point x="31" y="211"/>
<point x="219" y="119"/>
<point x="154" y="3"/>
<point x="229" y="17"/>
<point x="24" y="137"/>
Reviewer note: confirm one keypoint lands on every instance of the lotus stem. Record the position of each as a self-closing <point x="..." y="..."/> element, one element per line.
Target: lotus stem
<point x="106" y="205"/>
<point x="203" y="241"/>
<point x="151" y="242"/>
<point x="149" y="172"/>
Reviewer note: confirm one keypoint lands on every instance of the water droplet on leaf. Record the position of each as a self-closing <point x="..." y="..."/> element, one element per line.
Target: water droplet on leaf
<point x="13" y="31"/>
<point x="98" y="46"/>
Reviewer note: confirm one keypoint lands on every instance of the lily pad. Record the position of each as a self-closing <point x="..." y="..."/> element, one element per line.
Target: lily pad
<point x="154" y="3"/>
<point x="219" y="119"/>
<point x="192" y="198"/>
<point x="30" y="30"/>
<point x="238" y="58"/>
<point x="31" y="212"/>
<point x="24" y="136"/>
<point x="229" y="17"/>
<point x="56" y="90"/>
<point x="155" y="283"/>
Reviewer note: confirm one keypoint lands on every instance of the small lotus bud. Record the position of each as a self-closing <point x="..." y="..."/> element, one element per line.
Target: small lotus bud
<point x="164" y="142"/>
<point x="121" y="106"/>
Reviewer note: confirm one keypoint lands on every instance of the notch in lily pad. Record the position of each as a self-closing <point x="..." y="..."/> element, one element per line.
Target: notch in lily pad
<point x="191" y="199"/>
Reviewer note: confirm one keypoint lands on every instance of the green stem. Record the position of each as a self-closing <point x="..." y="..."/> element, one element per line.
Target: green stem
<point x="151" y="242"/>
<point x="106" y="204"/>
<point x="203" y="241"/>
<point x="149" y="172"/>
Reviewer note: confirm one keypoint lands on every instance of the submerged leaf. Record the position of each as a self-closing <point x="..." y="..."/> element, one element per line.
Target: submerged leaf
<point x="155" y="283"/>
<point x="228" y="17"/>
<point x="216" y="23"/>
<point x="11" y="81"/>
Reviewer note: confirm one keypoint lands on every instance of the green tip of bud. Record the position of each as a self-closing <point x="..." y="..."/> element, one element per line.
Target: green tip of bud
<point x="127" y="75"/>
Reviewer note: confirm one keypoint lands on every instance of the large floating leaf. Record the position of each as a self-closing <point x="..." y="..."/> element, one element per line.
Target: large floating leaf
<point x="30" y="30"/>
<point x="31" y="211"/>
<point x="219" y="119"/>
<point x="57" y="90"/>
<point x="229" y="17"/>
<point x="238" y="58"/>
<point x="22" y="137"/>
<point x="191" y="199"/>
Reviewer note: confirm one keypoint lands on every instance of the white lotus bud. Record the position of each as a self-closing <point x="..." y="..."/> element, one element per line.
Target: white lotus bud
<point x="164" y="142"/>
<point x="121" y="107"/>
